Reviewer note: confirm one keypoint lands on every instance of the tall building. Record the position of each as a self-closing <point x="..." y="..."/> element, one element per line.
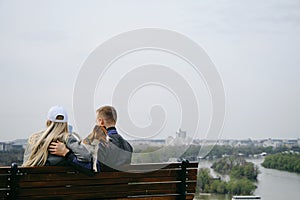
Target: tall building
<point x="181" y="138"/>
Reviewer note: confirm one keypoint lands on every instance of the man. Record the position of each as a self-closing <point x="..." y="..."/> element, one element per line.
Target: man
<point x="118" y="152"/>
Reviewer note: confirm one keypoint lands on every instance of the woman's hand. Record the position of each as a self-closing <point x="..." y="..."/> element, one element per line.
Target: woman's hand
<point x="58" y="148"/>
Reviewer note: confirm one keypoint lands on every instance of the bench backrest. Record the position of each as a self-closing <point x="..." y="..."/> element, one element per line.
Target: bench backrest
<point x="141" y="181"/>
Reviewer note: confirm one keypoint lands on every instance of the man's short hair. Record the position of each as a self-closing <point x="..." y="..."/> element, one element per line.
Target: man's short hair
<point x="108" y="113"/>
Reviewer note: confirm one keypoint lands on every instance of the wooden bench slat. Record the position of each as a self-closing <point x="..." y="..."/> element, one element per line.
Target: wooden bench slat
<point x="58" y="180"/>
<point x="4" y="181"/>
<point x="111" y="175"/>
<point x="88" y="182"/>
<point x="57" y="176"/>
<point x="92" y="197"/>
<point x="112" y="191"/>
<point x="162" y="197"/>
<point x="190" y="186"/>
<point x="83" y="196"/>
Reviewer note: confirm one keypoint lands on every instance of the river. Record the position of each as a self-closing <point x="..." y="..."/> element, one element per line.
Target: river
<point x="272" y="184"/>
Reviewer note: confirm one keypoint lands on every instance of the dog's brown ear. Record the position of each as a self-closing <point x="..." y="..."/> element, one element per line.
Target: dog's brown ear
<point x="100" y="133"/>
<point x="89" y="139"/>
<point x="103" y="130"/>
<point x="85" y="141"/>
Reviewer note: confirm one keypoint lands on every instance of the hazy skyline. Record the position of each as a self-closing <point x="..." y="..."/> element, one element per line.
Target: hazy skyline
<point x="254" y="45"/>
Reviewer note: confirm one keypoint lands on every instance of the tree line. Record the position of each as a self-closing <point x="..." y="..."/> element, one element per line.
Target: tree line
<point x="163" y="153"/>
<point x="9" y="157"/>
<point x="283" y="161"/>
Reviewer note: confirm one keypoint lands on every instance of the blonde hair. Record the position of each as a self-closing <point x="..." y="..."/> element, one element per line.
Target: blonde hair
<point x="39" y="143"/>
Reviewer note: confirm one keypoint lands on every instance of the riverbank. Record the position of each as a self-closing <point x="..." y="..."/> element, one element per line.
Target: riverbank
<point x="271" y="185"/>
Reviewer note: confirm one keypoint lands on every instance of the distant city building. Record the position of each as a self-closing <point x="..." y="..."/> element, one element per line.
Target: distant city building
<point x="2" y="146"/>
<point x="5" y="146"/>
<point x="243" y="143"/>
<point x="290" y="143"/>
<point x="17" y="145"/>
<point x="181" y="134"/>
<point x="10" y="147"/>
<point x="181" y="138"/>
<point x="272" y="143"/>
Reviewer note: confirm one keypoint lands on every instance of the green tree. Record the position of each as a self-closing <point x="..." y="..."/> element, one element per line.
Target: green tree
<point x="204" y="180"/>
<point x="241" y="187"/>
<point x="283" y="161"/>
<point x="236" y="167"/>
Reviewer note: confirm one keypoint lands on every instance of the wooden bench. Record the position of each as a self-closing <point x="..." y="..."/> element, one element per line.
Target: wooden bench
<point x="141" y="181"/>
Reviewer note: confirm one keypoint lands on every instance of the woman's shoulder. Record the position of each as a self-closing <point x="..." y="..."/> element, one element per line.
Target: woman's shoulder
<point x="74" y="137"/>
<point x="39" y="133"/>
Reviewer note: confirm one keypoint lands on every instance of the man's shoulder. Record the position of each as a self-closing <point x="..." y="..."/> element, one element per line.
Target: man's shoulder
<point x="116" y="138"/>
<point x="121" y="142"/>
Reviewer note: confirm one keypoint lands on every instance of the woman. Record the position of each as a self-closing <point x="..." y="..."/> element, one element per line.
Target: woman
<point x="36" y="152"/>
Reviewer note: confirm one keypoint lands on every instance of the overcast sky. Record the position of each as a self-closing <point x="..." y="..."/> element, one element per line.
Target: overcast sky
<point x="254" y="45"/>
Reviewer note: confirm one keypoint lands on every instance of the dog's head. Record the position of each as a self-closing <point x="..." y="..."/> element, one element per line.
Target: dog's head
<point x="98" y="134"/>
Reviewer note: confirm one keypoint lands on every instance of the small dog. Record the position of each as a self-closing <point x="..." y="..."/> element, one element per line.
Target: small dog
<point x="99" y="134"/>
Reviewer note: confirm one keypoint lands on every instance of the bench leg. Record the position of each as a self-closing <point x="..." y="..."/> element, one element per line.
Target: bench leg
<point x="13" y="182"/>
<point x="183" y="179"/>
